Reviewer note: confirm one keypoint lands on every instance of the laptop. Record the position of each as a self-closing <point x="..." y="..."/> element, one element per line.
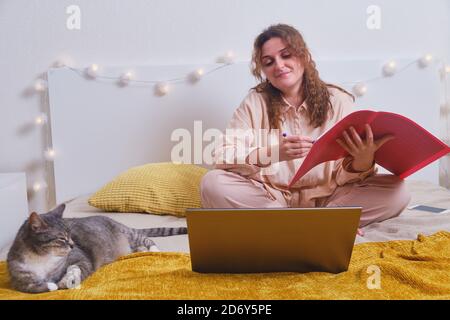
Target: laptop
<point x="272" y="239"/>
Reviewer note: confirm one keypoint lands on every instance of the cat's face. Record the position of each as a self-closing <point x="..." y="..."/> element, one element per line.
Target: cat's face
<point x="48" y="234"/>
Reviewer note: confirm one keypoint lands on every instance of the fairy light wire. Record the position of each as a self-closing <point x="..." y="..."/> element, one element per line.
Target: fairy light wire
<point x="81" y="73"/>
<point x="377" y="78"/>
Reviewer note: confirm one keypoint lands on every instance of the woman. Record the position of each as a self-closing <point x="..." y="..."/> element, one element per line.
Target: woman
<point x="291" y="98"/>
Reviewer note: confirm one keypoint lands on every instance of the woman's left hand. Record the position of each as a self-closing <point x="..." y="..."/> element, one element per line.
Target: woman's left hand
<point x="363" y="152"/>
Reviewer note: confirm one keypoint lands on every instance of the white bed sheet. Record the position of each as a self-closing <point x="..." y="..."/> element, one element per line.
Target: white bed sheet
<point x="413" y="222"/>
<point x="404" y="227"/>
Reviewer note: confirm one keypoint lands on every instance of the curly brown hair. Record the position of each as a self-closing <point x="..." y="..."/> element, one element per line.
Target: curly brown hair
<point x="313" y="88"/>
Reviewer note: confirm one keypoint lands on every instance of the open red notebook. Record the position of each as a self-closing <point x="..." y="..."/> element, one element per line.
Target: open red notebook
<point x="412" y="149"/>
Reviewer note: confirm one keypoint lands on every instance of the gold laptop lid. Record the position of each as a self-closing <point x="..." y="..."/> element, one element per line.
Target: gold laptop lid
<point x="272" y="240"/>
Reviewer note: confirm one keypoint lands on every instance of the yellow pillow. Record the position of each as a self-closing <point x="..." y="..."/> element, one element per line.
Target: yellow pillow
<point x="159" y="188"/>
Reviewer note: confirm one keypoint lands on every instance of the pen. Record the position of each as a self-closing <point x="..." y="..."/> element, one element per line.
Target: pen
<point x="285" y="135"/>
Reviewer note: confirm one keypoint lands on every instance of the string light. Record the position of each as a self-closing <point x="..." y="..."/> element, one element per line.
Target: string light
<point x="41" y="119"/>
<point x="40" y="85"/>
<point x="162" y="88"/>
<point x="197" y="75"/>
<point x="39" y="185"/>
<point x="445" y="109"/>
<point x="49" y="154"/>
<point x="425" y="61"/>
<point x="227" y="58"/>
<point x="447" y="69"/>
<point x="390" y="68"/>
<point x="59" y="63"/>
<point x="63" y="61"/>
<point x="36" y="186"/>
<point x="125" y="78"/>
<point x="360" y="89"/>
<point x="92" y="70"/>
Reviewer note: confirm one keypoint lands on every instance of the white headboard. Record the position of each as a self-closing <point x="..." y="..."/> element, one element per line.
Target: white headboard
<point x="100" y="129"/>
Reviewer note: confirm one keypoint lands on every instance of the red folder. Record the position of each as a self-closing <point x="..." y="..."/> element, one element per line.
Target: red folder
<point x="412" y="149"/>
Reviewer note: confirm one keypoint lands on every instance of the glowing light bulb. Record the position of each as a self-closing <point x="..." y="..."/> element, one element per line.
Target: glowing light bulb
<point x="49" y="154"/>
<point x="125" y="78"/>
<point x="59" y="63"/>
<point x="444" y="71"/>
<point x="39" y="185"/>
<point x="447" y="69"/>
<point x="92" y="70"/>
<point x="40" y="85"/>
<point x="445" y="110"/>
<point x="227" y="58"/>
<point x="390" y="68"/>
<point x="162" y="88"/>
<point x="63" y="61"/>
<point x="197" y="75"/>
<point x="41" y="119"/>
<point x="360" y="89"/>
<point x="426" y="60"/>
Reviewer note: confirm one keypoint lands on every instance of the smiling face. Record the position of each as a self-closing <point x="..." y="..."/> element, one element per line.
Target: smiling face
<point x="281" y="67"/>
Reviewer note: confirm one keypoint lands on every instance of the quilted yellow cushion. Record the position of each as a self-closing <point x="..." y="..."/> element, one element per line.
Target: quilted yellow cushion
<point x="159" y="188"/>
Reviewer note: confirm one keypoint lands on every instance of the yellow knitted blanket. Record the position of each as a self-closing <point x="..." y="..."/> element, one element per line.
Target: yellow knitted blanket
<point x="418" y="269"/>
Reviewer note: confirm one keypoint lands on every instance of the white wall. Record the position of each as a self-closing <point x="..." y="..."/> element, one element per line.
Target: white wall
<point x="33" y="34"/>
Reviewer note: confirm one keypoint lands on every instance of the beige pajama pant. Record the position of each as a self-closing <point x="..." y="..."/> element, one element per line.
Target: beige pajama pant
<point x="381" y="196"/>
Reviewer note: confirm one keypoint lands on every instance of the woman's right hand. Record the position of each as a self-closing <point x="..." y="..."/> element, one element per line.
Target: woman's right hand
<point x="294" y="147"/>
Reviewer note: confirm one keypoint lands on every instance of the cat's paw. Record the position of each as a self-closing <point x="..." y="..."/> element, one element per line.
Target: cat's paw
<point x="154" y="249"/>
<point x="52" y="286"/>
<point x="74" y="270"/>
<point x="72" y="278"/>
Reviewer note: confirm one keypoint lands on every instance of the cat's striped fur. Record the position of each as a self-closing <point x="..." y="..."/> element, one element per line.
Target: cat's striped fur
<point x="51" y="252"/>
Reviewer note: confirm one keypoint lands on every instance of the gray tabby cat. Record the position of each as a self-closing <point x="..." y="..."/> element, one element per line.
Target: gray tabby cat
<point x="51" y="252"/>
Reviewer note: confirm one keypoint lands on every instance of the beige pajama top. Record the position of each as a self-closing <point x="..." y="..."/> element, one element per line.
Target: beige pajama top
<point x="319" y="182"/>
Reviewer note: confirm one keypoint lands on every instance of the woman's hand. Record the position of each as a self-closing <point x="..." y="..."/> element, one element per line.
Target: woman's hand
<point x="294" y="147"/>
<point x="289" y="148"/>
<point x="363" y="152"/>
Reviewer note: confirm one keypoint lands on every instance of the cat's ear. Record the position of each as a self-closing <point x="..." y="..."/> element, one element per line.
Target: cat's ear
<point x="58" y="211"/>
<point x="35" y="222"/>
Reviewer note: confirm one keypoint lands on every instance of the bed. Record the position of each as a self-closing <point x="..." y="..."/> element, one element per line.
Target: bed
<point x="412" y="250"/>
